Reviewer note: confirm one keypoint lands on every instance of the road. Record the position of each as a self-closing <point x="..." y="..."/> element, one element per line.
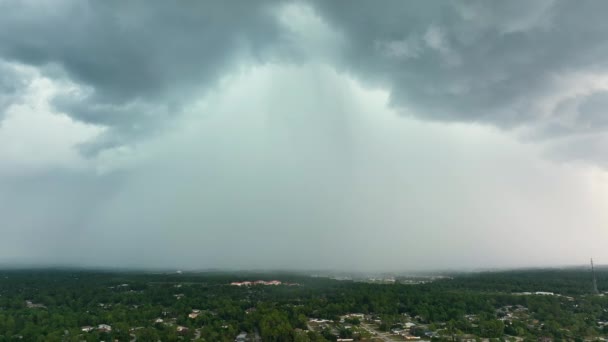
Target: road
<point x="378" y="334"/>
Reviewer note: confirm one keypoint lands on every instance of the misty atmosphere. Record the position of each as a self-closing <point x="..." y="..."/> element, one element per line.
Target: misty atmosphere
<point x="303" y="171"/>
<point x="373" y="136"/>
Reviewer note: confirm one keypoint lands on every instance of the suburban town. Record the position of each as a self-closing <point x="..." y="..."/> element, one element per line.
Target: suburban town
<point x="522" y="306"/>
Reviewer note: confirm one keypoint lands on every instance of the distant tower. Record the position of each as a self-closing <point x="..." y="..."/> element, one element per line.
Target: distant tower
<point x="595" y="291"/>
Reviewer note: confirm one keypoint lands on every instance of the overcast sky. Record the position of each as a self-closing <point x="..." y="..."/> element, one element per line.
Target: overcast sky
<point x="368" y="135"/>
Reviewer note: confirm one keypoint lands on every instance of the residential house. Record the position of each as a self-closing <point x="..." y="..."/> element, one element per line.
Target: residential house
<point x="104" y="328"/>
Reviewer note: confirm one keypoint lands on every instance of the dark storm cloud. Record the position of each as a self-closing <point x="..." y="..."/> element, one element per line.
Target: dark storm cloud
<point x="471" y="61"/>
<point x="276" y="147"/>
<point x="593" y="111"/>
<point x="136" y="60"/>
<point x="139" y="62"/>
<point x="12" y="85"/>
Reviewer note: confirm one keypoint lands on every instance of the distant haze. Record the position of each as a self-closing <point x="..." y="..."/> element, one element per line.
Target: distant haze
<point x="384" y="135"/>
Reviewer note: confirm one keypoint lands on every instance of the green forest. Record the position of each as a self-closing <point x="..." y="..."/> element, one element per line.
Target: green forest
<point x="77" y="305"/>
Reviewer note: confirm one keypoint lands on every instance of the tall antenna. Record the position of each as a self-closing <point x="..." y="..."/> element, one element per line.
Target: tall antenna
<point x="595" y="291"/>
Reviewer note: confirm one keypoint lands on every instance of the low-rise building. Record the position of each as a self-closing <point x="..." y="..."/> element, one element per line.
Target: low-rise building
<point x="104" y="328"/>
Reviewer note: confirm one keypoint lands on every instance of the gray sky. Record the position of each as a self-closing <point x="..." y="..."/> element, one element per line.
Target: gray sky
<point x="384" y="135"/>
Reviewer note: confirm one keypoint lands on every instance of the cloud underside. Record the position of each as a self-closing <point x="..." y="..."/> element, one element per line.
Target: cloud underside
<point x="137" y="64"/>
<point x="296" y="134"/>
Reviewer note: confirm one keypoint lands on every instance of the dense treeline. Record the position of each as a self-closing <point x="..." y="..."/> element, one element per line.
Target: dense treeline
<point x="569" y="281"/>
<point x="61" y="302"/>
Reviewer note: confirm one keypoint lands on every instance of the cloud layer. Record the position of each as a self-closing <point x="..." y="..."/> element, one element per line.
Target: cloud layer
<point x="294" y="134"/>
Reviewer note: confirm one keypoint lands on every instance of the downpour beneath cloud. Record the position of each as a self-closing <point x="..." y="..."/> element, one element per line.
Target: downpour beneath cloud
<point x="383" y="135"/>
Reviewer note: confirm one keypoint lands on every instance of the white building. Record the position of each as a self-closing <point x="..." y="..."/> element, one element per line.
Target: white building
<point x="104" y="328"/>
